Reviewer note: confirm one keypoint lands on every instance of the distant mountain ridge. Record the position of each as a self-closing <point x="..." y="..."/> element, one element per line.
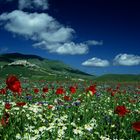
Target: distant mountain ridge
<point x="20" y="56"/>
<point x="27" y="65"/>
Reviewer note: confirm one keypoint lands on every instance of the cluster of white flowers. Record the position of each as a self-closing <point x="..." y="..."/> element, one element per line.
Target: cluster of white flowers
<point x="105" y="138"/>
<point x="59" y="124"/>
<point x="91" y="125"/>
<point x="78" y="131"/>
<point x="109" y="112"/>
<point x="27" y="136"/>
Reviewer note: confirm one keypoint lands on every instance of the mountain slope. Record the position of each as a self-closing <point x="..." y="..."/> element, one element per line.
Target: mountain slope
<point x="36" y="66"/>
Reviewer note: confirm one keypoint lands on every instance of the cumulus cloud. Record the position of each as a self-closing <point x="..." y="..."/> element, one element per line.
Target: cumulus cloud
<point x="94" y="42"/>
<point x="96" y="62"/>
<point x="37" y="26"/>
<point x="63" y="48"/>
<point x="45" y="30"/>
<point x="127" y="60"/>
<point x="61" y="34"/>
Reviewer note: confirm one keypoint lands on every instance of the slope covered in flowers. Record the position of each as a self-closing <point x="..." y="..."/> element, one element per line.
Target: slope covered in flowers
<point x="42" y="110"/>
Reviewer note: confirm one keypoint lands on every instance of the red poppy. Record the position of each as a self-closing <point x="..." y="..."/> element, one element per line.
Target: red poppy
<point x="92" y="89"/>
<point x="60" y="90"/>
<point x="124" y="92"/>
<point x="121" y="110"/>
<point x="138" y="92"/>
<point x="136" y="126"/>
<point x="109" y="89"/>
<point x="5" y="119"/>
<point x="45" y="89"/>
<point x="3" y="91"/>
<point x="36" y="90"/>
<point x="113" y="93"/>
<point x="20" y="104"/>
<point x="118" y="86"/>
<point x="72" y="89"/>
<point x="13" y="84"/>
<point x="67" y="98"/>
<point x="7" y="106"/>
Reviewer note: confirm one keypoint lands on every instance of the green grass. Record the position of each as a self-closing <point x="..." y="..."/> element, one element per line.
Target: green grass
<point x="119" y="78"/>
<point x="92" y="119"/>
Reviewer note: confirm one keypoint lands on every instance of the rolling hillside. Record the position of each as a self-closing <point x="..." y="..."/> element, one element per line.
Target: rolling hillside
<point x="37" y="67"/>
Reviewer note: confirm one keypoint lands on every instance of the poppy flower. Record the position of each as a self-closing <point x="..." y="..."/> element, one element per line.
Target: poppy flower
<point x="7" y="106"/>
<point x="13" y="84"/>
<point x="121" y="111"/>
<point x="60" y="90"/>
<point x="136" y="126"/>
<point x="3" y="91"/>
<point x="92" y="89"/>
<point x="72" y="89"/>
<point x="124" y="91"/>
<point x="67" y="98"/>
<point x="20" y="104"/>
<point x="45" y="89"/>
<point x="118" y="86"/>
<point x="36" y="90"/>
<point x="109" y="90"/>
<point x="5" y="119"/>
<point x="112" y="93"/>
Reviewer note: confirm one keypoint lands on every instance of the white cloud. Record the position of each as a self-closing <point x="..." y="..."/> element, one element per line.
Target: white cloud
<point x="94" y="42"/>
<point x="22" y="23"/>
<point x="63" y="48"/>
<point x="41" y="27"/>
<point x="40" y="4"/>
<point x="96" y="62"/>
<point x="61" y="34"/>
<point x="35" y="25"/>
<point x="127" y="60"/>
<point x="46" y="31"/>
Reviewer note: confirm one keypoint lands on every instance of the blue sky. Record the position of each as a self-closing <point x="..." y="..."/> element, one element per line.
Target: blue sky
<point x="95" y="36"/>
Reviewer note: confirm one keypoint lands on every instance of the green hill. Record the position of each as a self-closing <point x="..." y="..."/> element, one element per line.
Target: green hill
<point x="37" y="67"/>
<point x="119" y="78"/>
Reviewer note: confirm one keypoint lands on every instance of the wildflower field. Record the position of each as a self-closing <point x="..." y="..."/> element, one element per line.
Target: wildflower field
<point x="44" y="110"/>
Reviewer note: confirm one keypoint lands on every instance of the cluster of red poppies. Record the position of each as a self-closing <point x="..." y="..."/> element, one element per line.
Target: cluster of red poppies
<point x="14" y="85"/>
